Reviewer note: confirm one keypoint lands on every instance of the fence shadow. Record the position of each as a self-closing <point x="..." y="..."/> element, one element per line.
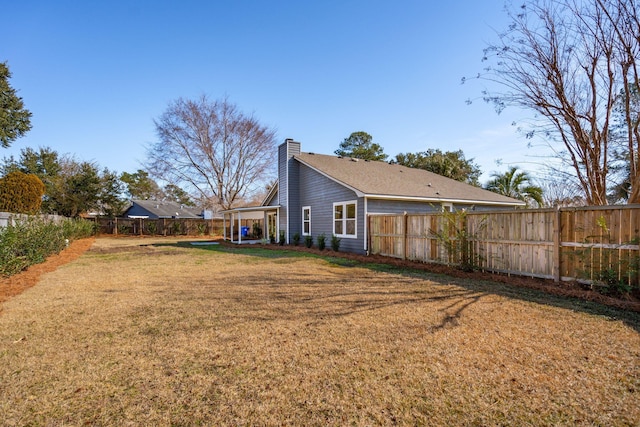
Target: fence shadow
<point x="474" y="288"/>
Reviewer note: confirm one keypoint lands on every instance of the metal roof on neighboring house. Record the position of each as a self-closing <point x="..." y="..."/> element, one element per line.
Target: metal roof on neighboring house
<point x="392" y="181"/>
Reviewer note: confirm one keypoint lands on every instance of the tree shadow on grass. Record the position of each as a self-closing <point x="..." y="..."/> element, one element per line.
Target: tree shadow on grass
<point x="475" y="289"/>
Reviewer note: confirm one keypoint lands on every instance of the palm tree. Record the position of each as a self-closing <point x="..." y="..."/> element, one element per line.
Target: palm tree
<point x="516" y="184"/>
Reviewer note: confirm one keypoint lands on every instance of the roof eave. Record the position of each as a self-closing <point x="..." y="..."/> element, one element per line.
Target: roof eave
<point x="443" y="199"/>
<point x="271" y="193"/>
<point x="251" y="209"/>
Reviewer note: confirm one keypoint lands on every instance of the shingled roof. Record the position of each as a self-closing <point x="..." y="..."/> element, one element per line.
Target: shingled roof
<point x="163" y="209"/>
<point x="392" y="181"/>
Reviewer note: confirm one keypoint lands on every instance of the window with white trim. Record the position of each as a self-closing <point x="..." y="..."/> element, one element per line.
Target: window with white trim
<point x="344" y="219"/>
<point x="306" y="220"/>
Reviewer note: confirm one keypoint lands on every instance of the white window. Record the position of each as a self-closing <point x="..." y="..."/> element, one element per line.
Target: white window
<point x="344" y="219"/>
<point x="447" y="207"/>
<point x="306" y="220"/>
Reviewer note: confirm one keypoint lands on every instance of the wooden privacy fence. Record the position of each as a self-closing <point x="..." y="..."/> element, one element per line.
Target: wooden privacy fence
<point x="172" y="226"/>
<point x="560" y="244"/>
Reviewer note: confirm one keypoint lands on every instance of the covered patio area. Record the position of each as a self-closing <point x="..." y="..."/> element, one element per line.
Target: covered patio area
<point x="241" y="232"/>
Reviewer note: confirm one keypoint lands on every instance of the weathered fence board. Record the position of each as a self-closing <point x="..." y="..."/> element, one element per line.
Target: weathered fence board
<point x="564" y="244"/>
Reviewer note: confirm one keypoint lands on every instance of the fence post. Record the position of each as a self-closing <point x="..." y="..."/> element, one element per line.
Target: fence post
<point x="404" y="235"/>
<point x="368" y="234"/>
<point x="464" y="236"/>
<point x="557" y="256"/>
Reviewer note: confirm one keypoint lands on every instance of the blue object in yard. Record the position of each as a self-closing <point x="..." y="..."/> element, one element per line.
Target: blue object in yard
<point x="245" y="231"/>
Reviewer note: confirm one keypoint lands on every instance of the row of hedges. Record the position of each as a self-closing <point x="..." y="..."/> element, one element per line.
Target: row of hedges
<point x="32" y="240"/>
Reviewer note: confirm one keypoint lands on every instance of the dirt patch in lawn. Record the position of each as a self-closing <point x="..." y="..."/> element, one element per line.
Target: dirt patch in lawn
<point x="214" y="335"/>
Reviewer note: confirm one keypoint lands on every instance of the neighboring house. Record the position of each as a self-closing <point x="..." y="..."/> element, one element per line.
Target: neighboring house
<point x="319" y="194"/>
<point x="154" y="209"/>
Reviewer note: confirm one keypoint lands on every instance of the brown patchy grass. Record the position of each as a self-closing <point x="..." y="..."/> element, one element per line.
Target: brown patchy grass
<point x="142" y="332"/>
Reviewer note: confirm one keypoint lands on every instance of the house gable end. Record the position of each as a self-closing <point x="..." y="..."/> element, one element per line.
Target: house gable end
<point x="357" y="192"/>
<point x="320" y="193"/>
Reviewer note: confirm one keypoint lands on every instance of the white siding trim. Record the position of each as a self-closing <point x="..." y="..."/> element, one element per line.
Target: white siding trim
<point x="366" y="225"/>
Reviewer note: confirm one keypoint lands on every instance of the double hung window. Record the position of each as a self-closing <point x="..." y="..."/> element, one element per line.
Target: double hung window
<point x="344" y="219"/>
<point x="306" y="220"/>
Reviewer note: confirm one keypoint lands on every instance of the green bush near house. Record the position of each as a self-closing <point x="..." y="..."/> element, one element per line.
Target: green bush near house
<point x="308" y="241"/>
<point x="322" y="242"/>
<point x="335" y="243"/>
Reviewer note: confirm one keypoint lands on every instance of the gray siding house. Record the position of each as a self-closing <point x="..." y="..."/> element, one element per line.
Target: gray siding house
<point x="332" y="195"/>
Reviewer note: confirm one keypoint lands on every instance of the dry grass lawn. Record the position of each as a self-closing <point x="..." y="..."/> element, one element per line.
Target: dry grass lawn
<point x="139" y="333"/>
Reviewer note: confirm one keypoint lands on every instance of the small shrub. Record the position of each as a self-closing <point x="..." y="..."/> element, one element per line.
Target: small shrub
<point x="74" y="229"/>
<point x="604" y="272"/>
<point x="152" y="228"/>
<point x="296" y="239"/>
<point x="321" y="241"/>
<point x="610" y="284"/>
<point x="201" y="229"/>
<point x="256" y="230"/>
<point x="456" y="240"/>
<point x="282" y="238"/>
<point x="272" y="238"/>
<point x="335" y="243"/>
<point x="308" y="241"/>
<point x="176" y="228"/>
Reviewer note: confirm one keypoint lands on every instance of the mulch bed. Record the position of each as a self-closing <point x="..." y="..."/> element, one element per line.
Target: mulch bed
<point x="18" y="283"/>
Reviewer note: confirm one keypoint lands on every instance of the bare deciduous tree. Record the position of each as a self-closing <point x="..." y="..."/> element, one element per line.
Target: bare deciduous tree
<point x="569" y="61"/>
<point x="559" y="189"/>
<point x="624" y="17"/>
<point x="212" y="149"/>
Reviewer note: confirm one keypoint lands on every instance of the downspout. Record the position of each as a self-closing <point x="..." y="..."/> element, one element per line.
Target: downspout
<point x="366" y="226"/>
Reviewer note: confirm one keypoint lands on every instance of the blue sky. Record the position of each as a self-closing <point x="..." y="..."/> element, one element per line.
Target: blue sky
<point x="96" y="74"/>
